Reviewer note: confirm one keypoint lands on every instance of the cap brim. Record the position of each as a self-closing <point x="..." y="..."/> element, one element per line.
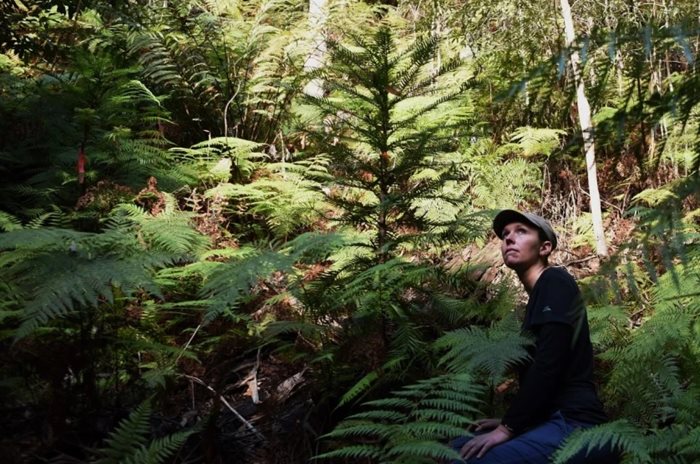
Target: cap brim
<point x="507" y="216"/>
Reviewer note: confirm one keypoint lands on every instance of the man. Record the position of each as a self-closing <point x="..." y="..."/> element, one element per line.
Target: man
<point x="557" y="394"/>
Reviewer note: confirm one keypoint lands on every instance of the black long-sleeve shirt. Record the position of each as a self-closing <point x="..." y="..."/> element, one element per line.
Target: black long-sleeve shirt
<point x="560" y="376"/>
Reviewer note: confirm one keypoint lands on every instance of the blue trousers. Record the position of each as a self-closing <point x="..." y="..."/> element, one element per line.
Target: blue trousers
<point x="537" y="446"/>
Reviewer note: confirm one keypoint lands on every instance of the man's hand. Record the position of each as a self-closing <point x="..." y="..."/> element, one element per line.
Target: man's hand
<point x="480" y="444"/>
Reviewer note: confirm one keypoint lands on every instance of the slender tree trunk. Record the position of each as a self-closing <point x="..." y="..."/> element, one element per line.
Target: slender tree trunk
<point x="317" y="19"/>
<point x="584" y="112"/>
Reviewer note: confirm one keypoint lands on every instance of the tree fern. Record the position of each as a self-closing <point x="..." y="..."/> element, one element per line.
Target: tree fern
<point x="230" y="66"/>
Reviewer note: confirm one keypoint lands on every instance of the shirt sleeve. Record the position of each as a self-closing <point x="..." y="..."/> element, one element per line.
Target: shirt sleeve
<point x="542" y="379"/>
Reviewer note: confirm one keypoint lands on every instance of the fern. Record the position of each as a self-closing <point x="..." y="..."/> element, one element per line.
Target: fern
<point x="621" y="435"/>
<point x="244" y="155"/>
<point x="283" y="194"/>
<point x="490" y="352"/>
<point x="363" y="386"/>
<point x="411" y="425"/>
<point x="63" y="271"/>
<point x="228" y="284"/>
<point x="129" y="442"/>
<point x="229" y="64"/>
<point x="8" y="222"/>
<point x="532" y="141"/>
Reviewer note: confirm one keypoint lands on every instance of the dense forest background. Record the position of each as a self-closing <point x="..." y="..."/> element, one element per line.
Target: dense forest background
<point x="259" y="231"/>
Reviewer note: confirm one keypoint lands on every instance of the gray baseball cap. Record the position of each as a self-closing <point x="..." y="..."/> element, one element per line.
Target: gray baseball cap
<point x="507" y="216"/>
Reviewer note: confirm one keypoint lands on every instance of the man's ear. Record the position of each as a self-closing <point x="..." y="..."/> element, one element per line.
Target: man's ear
<point x="546" y="248"/>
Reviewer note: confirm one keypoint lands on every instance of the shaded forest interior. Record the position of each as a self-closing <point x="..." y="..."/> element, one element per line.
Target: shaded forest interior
<point x="260" y="231"/>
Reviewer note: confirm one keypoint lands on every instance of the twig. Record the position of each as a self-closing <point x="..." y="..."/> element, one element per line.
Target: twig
<point x="582" y="260"/>
<point x="253" y="383"/>
<point x="187" y="345"/>
<point x="228" y="103"/>
<point x="248" y="425"/>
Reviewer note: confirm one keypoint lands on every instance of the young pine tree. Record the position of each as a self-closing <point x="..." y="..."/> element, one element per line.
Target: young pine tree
<point x="391" y="129"/>
<point x="390" y="126"/>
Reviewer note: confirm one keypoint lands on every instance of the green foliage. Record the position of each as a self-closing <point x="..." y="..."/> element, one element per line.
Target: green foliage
<point x="619" y="434"/>
<point x="224" y="158"/>
<point x="388" y="168"/>
<point x="227" y="284"/>
<point x="8" y="222"/>
<point x="393" y="171"/>
<point x="489" y="353"/>
<point x="649" y="370"/>
<point x="129" y="442"/>
<point x="59" y="271"/>
<point x="533" y="141"/>
<point x="651" y="384"/>
<point x="488" y="169"/>
<point x="409" y="425"/>
<point x="387" y="136"/>
<point x="94" y="104"/>
<point x="284" y="194"/>
<point x="229" y="66"/>
<point x="608" y="325"/>
<point x="582" y="228"/>
<point x="473" y="356"/>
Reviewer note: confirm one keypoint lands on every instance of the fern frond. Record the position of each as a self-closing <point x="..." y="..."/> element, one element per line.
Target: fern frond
<point x="413" y="424"/>
<point x="491" y="351"/>
<point x="354" y="452"/>
<point x="61" y="271"/>
<point x="532" y="141"/>
<point x="130" y="434"/>
<point x="129" y="442"/>
<point x="8" y="222"/>
<point x="170" y="231"/>
<point x="408" y="452"/>
<point x="620" y="435"/>
<point x="159" y="450"/>
<point x="360" y="387"/>
<point x="228" y="283"/>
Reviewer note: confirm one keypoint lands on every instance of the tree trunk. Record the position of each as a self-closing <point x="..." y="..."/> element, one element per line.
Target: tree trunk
<point x="317" y="19"/>
<point x="584" y="112"/>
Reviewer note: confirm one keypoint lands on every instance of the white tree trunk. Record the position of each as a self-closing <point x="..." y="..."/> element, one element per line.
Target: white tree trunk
<point x="317" y="19"/>
<point x="584" y="112"/>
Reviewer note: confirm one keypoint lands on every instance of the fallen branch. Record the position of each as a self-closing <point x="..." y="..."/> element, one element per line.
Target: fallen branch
<point x="248" y="425"/>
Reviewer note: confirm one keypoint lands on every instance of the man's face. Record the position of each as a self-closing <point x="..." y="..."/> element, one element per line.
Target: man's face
<point x="521" y="246"/>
